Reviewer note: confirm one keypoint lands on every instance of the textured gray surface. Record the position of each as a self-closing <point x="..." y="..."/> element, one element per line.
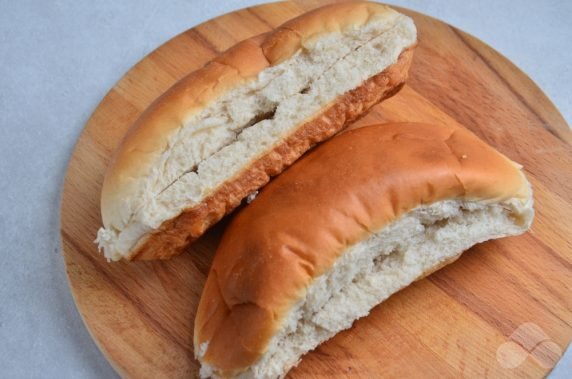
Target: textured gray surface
<point x="59" y="58"/>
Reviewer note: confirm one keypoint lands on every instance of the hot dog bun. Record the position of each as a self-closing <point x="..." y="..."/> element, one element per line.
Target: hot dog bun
<point x="221" y="132"/>
<point x="358" y="218"/>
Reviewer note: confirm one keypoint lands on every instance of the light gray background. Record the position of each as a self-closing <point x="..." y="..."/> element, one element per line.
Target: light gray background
<point x="59" y="58"/>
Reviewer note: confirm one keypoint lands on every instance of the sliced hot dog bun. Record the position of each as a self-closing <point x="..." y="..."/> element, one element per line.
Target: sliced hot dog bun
<point x="221" y="132"/>
<point x="358" y="218"/>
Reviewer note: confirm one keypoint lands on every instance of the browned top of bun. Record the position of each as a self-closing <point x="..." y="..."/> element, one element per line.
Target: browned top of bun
<point x="342" y="191"/>
<point x="290" y="37"/>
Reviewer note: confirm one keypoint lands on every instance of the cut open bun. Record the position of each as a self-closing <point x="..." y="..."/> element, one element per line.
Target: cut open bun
<point x="318" y="248"/>
<point x="220" y="133"/>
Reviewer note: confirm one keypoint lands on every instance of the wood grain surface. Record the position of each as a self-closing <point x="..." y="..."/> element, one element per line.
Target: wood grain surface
<point x="477" y="317"/>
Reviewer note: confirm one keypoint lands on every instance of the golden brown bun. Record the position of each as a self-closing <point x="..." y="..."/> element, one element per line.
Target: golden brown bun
<point x="337" y="195"/>
<point x="149" y="137"/>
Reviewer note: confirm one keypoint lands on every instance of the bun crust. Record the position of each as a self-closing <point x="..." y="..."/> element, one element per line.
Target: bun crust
<point x="337" y="195"/>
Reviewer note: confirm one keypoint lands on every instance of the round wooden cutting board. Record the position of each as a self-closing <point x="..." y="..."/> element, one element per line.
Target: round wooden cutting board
<point x="503" y="309"/>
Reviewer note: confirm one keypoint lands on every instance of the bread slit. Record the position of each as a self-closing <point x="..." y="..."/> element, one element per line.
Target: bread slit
<point x="194" y="169"/>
